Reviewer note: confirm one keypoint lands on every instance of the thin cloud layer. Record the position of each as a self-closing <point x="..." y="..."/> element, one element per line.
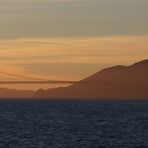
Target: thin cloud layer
<point x="72" y="18"/>
<point x="41" y="56"/>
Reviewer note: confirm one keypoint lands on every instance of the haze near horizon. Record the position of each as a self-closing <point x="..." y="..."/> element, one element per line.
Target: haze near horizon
<point x="70" y="39"/>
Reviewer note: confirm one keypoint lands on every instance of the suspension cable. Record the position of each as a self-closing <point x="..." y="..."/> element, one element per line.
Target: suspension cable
<point x="24" y="77"/>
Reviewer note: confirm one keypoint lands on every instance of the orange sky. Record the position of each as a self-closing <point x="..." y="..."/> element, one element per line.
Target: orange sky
<point x="70" y="39"/>
<point x="69" y="58"/>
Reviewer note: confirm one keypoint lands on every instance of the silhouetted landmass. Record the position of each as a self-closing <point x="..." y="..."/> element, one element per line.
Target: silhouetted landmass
<point x="13" y="93"/>
<point x="118" y="82"/>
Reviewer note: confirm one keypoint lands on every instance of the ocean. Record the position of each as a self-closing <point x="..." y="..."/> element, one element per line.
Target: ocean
<point x="73" y="124"/>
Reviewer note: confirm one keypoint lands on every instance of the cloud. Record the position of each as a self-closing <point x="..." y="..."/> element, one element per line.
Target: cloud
<point x="72" y="18"/>
<point x="30" y="55"/>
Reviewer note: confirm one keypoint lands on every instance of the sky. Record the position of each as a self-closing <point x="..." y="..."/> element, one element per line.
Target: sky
<point x="71" y="39"/>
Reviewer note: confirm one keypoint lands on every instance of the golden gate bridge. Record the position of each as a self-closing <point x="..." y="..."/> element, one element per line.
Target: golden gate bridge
<point x="5" y="79"/>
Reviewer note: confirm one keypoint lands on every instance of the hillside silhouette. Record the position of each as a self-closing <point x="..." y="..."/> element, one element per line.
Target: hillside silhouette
<point x="118" y="82"/>
<point x="13" y="93"/>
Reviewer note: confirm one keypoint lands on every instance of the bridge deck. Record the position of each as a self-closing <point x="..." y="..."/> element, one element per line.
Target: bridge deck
<point x="37" y="82"/>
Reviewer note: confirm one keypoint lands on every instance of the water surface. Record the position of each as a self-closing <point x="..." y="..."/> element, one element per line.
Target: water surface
<point x="73" y="124"/>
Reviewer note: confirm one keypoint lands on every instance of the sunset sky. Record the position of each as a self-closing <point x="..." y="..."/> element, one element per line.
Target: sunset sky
<point x="71" y="39"/>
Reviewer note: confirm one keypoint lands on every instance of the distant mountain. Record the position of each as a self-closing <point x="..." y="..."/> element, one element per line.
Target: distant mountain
<point x="118" y="82"/>
<point x="13" y="93"/>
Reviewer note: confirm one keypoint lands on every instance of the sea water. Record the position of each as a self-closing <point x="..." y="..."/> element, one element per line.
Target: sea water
<point x="73" y="124"/>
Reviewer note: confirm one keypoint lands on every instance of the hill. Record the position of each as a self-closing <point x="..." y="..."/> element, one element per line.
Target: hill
<point x="14" y="94"/>
<point x="118" y="82"/>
